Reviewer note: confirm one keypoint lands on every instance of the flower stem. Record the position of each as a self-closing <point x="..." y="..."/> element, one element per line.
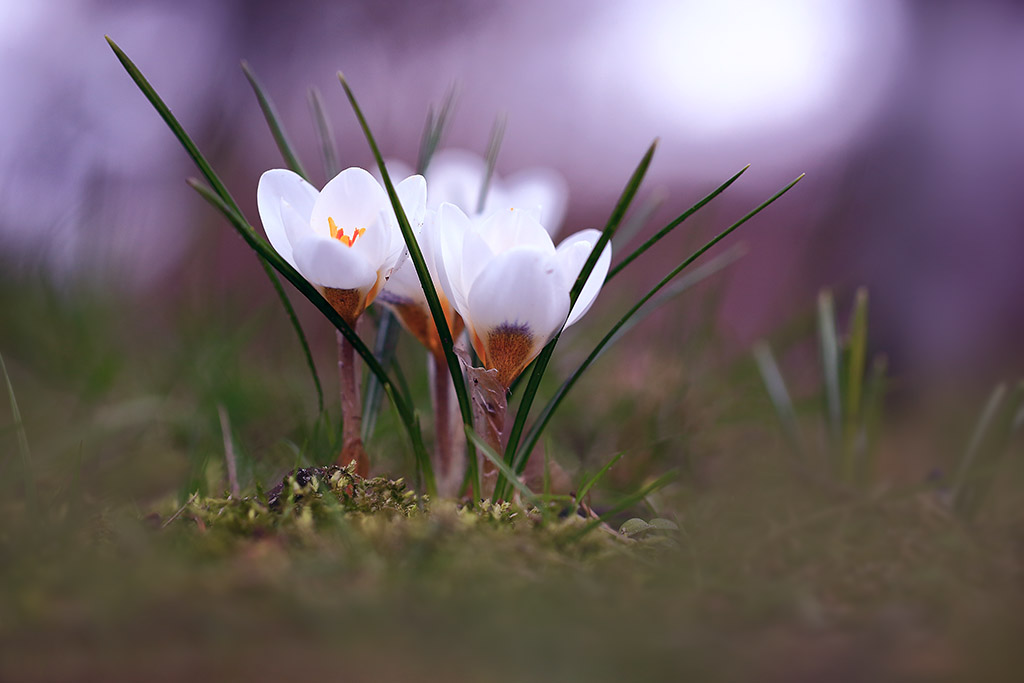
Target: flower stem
<point x="352" y="409"/>
<point x="449" y="438"/>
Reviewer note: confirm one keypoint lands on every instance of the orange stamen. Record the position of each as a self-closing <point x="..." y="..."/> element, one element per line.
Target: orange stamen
<point x="339" y="233"/>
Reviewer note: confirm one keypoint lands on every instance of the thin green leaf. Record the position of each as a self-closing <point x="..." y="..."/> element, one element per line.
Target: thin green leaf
<point x="324" y="134"/>
<point x="271" y="257"/>
<point x="493" y="147"/>
<point x="388" y="329"/>
<point x="639" y="219"/>
<point x="828" y="347"/>
<point x="856" y="360"/>
<point x="222" y="193"/>
<point x="589" y="484"/>
<point x="489" y="453"/>
<point x="556" y="400"/>
<point x="24" y="454"/>
<point x="416" y="256"/>
<point x="541" y="362"/>
<point x="674" y="224"/>
<point x="434" y="129"/>
<point x="276" y="129"/>
<point x="779" y="395"/>
<point x="683" y="284"/>
<point x="384" y="350"/>
<point x="981" y="429"/>
<point x="626" y="503"/>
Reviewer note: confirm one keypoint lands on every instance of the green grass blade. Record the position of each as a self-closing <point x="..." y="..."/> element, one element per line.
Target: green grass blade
<point x="856" y="359"/>
<point x="828" y="348"/>
<point x="981" y="429"/>
<point x="489" y="453"/>
<point x="434" y="129"/>
<point x="271" y="257"/>
<point x="384" y="350"/>
<point x="683" y="284"/>
<point x="639" y="219"/>
<point x="276" y="129"/>
<point x="552" y="405"/>
<point x="589" y="484"/>
<point x="626" y="503"/>
<point x="775" y="384"/>
<point x="219" y="189"/>
<point x="674" y="224"/>
<point x="416" y="256"/>
<point x="541" y="362"/>
<point x="24" y="454"/>
<point x="493" y="147"/>
<point x="324" y="134"/>
<point x="389" y="329"/>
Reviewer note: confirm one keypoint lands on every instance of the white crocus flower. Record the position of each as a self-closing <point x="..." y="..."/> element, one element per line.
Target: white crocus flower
<point x="344" y="239"/>
<point x="510" y="284"/>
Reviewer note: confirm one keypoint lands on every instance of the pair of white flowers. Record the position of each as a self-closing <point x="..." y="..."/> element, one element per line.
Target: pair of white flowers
<point x="497" y="272"/>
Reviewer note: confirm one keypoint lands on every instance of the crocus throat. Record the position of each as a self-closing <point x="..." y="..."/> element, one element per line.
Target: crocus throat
<point x="339" y="233"/>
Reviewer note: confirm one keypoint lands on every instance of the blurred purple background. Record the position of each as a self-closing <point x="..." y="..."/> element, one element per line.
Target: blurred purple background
<point x="908" y="118"/>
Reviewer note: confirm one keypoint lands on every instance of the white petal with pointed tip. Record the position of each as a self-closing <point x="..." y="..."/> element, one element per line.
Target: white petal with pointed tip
<point x="276" y="186"/>
<point x="572" y="255"/>
<point x="539" y="187"/>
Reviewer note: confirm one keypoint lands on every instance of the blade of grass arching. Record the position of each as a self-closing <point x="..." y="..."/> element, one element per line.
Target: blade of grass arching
<point x="994" y="446"/>
<point x="856" y="359"/>
<point x="324" y="134"/>
<point x="638" y="220"/>
<point x="874" y="410"/>
<point x="24" y="454"/>
<point x="1003" y="433"/>
<point x="276" y="129"/>
<point x="828" y="348"/>
<point x="271" y="257"/>
<point x="674" y="224"/>
<point x="775" y="384"/>
<point x="388" y="330"/>
<point x="493" y="147"/>
<point x="981" y="429"/>
<point x="541" y="362"/>
<point x="552" y="405"/>
<point x="434" y="303"/>
<point x="221" y="192"/>
<point x="624" y="504"/>
<point x="589" y="484"/>
<point x="685" y="283"/>
<point x="489" y="453"/>
<point x="384" y="350"/>
<point x="434" y="129"/>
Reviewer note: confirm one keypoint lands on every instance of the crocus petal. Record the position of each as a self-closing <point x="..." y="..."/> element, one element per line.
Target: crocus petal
<point x="280" y="186"/>
<point x="354" y="199"/>
<point x="455" y="176"/>
<point x="572" y="255"/>
<point x="539" y="187"/>
<point x="521" y="289"/>
<point x="515" y="228"/>
<point x="452" y="226"/>
<point x="329" y="263"/>
<point x="412" y="195"/>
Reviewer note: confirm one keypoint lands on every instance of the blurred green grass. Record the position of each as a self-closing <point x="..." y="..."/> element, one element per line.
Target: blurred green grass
<point x="773" y="576"/>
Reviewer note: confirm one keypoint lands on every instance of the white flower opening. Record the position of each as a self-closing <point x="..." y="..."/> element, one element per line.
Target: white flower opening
<point x="510" y="284"/>
<point x="344" y="239"/>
